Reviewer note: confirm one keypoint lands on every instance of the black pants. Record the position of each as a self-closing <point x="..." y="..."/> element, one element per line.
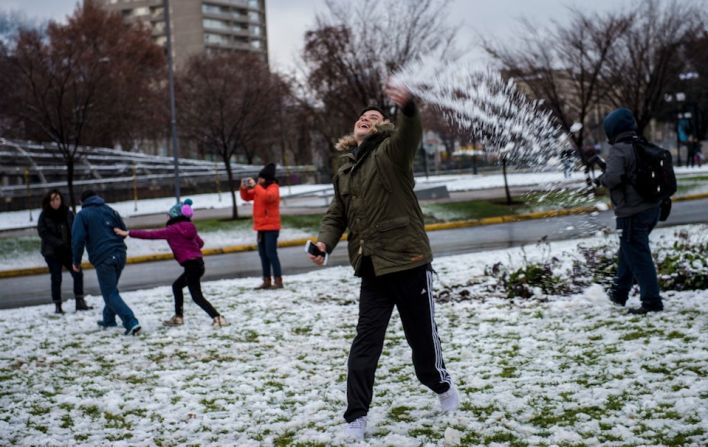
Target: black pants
<point x="193" y="271"/>
<point x="55" y="263"/>
<point x="411" y="292"/>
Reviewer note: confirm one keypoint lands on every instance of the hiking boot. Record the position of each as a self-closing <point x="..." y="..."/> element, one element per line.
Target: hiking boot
<point x="449" y="400"/>
<point x="219" y="321"/>
<point x="103" y="325"/>
<point x="265" y="285"/>
<point x="278" y="282"/>
<point x="81" y="304"/>
<point x="356" y="429"/>
<point x="134" y="330"/>
<point x="176" y="320"/>
<point x="57" y="308"/>
<point x="643" y="310"/>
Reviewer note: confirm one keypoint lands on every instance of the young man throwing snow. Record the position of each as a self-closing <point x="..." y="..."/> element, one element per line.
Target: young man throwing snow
<point x="389" y="250"/>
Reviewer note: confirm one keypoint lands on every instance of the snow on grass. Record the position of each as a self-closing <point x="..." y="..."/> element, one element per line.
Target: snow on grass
<point x="24" y="252"/>
<point x="454" y="183"/>
<point x="569" y="371"/>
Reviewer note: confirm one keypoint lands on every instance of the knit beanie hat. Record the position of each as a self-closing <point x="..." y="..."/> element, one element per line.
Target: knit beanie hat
<point x="179" y="209"/>
<point x="268" y="172"/>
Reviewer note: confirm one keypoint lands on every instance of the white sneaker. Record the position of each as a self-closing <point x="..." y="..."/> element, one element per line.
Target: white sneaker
<point x="449" y="400"/>
<point x="356" y="428"/>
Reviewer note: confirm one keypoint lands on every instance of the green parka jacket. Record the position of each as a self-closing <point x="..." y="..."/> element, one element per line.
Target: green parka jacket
<point x="374" y="200"/>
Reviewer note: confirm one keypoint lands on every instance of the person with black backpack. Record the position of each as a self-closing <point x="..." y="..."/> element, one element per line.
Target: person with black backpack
<point x="640" y="179"/>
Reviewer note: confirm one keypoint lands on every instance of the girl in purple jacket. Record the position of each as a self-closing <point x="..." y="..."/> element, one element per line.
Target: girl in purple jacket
<point x="183" y="239"/>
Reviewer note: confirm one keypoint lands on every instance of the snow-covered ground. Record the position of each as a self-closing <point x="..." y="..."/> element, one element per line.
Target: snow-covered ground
<point x="454" y="183"/>
<point x="569" y="371"/>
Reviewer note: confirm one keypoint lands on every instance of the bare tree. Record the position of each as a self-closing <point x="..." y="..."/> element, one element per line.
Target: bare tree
<point x="355" y="46"/>
<point x="647" y="58"/>
<point x="228" y="104"/>
<point x="85" y="82"/>
<point x="562" y="64"/>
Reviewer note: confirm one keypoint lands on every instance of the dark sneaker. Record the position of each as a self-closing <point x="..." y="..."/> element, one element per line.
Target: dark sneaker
<point x="103" y="325"/>
<point x="616" y="300"/>
<point x="134" y="330"/>
<point x="643" y="310"/>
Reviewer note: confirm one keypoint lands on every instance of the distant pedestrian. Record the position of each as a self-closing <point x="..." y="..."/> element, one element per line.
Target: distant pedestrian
<point x="636" y="216"/>
<point x="54" y="228"/>
<point x="567" y="160"/>
<point x="695" y="153"/>
<point x="265" y="194"/>
<point x="184" y="240"/>
<point x="93" y="229"/>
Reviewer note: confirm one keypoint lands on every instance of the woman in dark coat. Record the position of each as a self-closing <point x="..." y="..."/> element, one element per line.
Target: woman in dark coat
<point x="54" y="227"/>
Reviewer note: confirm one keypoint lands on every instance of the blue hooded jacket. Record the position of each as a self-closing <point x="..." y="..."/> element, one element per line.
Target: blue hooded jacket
<point x="93" y="228"/>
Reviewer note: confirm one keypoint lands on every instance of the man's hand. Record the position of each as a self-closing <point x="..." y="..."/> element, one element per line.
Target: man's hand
<point x="318" y="260"/>
<point x="120" y="232"/>
<point x="76" y="268"/>
<point x="399" y="94"/>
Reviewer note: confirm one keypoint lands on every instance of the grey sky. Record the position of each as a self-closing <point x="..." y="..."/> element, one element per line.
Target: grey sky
<point x="289" y="19"/>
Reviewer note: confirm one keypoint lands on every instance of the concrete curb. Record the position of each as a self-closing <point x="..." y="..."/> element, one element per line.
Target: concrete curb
<point x="300" y="242"/>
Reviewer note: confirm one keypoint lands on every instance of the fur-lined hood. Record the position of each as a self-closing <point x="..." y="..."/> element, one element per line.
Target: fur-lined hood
<point x="348" y="142"/>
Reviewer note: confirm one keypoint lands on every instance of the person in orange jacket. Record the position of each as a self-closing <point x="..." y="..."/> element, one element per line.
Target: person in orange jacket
<point x="266" y="221"/>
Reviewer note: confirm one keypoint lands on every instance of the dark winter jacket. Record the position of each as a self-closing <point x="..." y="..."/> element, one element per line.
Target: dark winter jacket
<point x="93" y="228"/>
<point x="54" y="228"/>
<point x="181" y="236"/>
<point x="620" y="127"/>
<point x="374" y="200"/>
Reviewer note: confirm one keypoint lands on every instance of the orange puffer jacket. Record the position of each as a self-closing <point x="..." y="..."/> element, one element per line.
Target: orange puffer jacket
<point x="266" y="206"/>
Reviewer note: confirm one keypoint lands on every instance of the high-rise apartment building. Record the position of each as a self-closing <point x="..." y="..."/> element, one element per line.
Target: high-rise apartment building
<point x="201" y="25"/>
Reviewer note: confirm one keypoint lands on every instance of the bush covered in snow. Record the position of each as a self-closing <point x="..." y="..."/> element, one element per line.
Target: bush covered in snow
<point x="680" y="259"/>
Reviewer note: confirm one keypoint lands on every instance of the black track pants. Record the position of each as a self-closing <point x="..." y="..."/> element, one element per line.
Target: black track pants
<point x="411" y="292"/>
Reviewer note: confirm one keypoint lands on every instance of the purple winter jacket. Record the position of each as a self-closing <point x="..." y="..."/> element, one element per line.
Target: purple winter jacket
<point x="182" y="238"/>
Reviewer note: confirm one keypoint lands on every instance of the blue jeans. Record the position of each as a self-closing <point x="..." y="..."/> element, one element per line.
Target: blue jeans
<point x="635" y="261"/>
<point x="268" y="251"/>
<point x="108" y="273"/>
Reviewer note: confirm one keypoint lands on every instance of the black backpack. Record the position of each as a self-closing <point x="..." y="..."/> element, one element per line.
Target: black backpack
<point x="653" y="177"/>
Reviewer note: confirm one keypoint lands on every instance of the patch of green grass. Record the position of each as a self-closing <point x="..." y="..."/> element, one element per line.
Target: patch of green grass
<point x="305" y="330"/>
<point x="116" y="421"/>
<point x="37" y="410"/>
<point x="506" y="438"/>
<point x="284" y="440"/>
<point x="474" y="209"/>
<point x="91" y="411"/>
<point x="400" y="414"/>
<point x="66" y="421"/>
<point x="305" y="222"/>
<point x="427" y="432"/>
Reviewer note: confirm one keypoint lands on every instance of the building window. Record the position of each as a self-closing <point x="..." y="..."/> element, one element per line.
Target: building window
<point x="215" y="39"/>
<point x="254" y="4"/>
<point x="141" y="11"/>
<point x="256" y="44"/>
<point x="212" y="9"/>
<point x="254" y="16"/>
<point x="256" y="31"/>
<point x="216" y="24"/>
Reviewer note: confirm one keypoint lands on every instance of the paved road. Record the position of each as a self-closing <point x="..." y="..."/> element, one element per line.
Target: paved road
<point x="33" y="290"/>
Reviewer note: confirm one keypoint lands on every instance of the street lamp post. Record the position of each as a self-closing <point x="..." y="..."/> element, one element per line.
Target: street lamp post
<point x="171" y="86"/>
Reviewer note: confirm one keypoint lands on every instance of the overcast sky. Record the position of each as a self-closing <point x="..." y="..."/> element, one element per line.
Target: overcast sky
<point x="288" y="19"/>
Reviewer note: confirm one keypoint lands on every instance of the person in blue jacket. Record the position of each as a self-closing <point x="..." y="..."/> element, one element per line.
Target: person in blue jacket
<point x="93" y="229"/>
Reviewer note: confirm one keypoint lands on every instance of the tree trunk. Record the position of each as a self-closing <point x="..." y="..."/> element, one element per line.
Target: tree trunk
<point x="70" y="182"/>
<point x="230" y="174"/>
<point x="506" y="182"/>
